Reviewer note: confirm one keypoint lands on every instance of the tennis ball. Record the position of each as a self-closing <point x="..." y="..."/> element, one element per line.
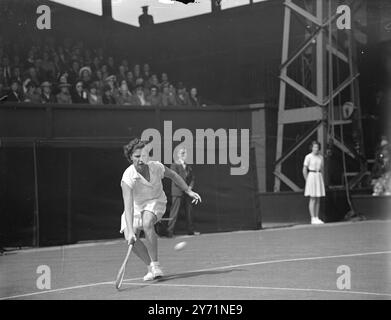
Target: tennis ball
<point x="180" y="245"/>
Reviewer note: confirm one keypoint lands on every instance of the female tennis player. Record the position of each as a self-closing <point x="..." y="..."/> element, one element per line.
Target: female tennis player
<point x="145" y="202"/>
<point x="314" y="185"/>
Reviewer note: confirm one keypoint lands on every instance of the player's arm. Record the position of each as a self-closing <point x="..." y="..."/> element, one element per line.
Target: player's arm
<point x="177" y="179"/>
<point x="127" y="195"/>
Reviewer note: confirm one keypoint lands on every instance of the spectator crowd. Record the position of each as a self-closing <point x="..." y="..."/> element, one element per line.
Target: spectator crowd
<point x="71" y="73"/>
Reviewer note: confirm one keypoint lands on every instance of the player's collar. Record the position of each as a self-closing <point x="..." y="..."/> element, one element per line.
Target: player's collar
<point x="133" y="172"/>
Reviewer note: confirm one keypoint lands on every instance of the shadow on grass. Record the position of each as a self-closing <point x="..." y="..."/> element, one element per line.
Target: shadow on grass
<point x="183" y="275"/>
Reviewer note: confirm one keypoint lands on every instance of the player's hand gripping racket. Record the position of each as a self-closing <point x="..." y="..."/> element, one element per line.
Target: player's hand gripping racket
<point x="121" y="272"/>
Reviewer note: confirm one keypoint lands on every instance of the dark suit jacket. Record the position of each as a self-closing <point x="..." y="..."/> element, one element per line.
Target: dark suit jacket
<point x="50" y="99"/>
<point x="145" y="20"/>
<point x="186" y="174"/>
<point x="76" y="98"/>
<point x="13" y="97"/>
<point x="195" y="102"/>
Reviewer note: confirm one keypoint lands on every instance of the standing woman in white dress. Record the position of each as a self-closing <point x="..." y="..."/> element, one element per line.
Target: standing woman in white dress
<point x="314" y="185"/>
<point x="145" y="202"/>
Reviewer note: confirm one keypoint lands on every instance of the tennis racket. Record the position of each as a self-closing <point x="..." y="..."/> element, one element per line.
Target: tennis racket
<point x="121" y="272"/>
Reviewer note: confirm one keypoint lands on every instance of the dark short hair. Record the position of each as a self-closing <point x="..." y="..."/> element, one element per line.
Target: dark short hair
<point x="132" y="146"/>
<point x="315" y="143"/>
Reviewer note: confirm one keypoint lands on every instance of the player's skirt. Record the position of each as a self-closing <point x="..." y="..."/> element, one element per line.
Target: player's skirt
<point x="314" y="186"/>
<point x="157" y="207"/>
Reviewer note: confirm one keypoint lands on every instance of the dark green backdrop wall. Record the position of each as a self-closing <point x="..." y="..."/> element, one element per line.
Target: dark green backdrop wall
<point x="70" y="191"/>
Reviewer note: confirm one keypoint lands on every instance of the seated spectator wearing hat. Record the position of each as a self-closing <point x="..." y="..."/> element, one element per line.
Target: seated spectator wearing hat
<point x="80" y="95"/>
<point x="85" y="76"/>
<point x="182" y="96"/>
<point x="107" y="96"/>
<point x="139" y="98"/>
<point x="46" y="95"/>
<point x="145" y="19"/>
<point x="168" y="96"/>
<point x="124" y="96"/>
<point x="111" y="81"/>
<point x="64" y="96"/>
<point x="94" y="97"/>
<point x="14" y="94"/>
<point x="31" y="93"/>
<point x="154" y="98"/>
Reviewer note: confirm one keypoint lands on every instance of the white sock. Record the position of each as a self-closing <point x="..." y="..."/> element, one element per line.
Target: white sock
<point x="154" y="263"/>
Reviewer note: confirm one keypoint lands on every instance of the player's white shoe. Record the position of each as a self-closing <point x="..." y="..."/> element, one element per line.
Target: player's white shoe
<point x="149" y="276"/>
<point x="319" y="221"/>
<point x="157" y="272"/>
<point x="154" y="272"/>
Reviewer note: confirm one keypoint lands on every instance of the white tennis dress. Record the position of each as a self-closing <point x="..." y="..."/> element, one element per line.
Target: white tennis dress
<point x="314" y="185"/>
<point x="147" y="195"/>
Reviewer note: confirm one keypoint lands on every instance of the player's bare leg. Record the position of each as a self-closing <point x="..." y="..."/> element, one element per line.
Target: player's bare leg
<point x="149" y="220"/>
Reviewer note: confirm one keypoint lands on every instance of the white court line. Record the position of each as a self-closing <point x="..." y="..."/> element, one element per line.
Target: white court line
<point x="209" y="269"/>
<point x="291" y="260"/>
<point x="65" y="289"/>
<point x="259" y="288"/>
<point x="71" y="246"/>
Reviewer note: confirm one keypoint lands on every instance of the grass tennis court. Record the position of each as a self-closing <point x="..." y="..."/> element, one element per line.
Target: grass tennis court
<point x="298" y="262"/>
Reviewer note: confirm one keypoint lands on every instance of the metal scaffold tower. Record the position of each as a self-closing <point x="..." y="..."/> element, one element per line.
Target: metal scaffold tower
<point x="327" y="84"/>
